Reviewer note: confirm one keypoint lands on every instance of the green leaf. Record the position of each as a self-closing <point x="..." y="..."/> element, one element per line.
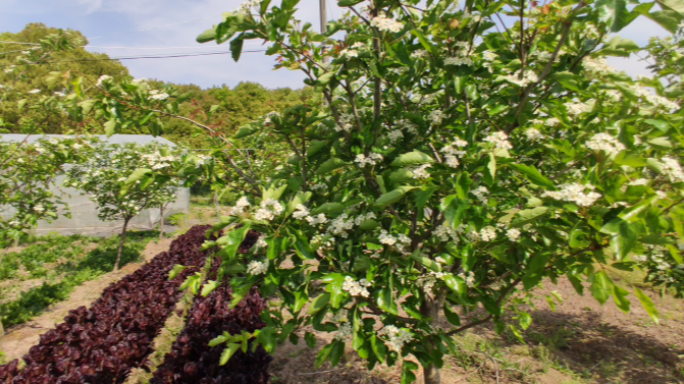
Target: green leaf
<point x="411" y="159"/>
<point x="207" y="36"/>
<point x="245" y="131"/>
<point x="525" y="320"/>
<point x="491" y="167"/>
<point x="533" y="175"/>
<point x="337" y="352"/>
<point x="328" y="208"/>
<point x="232" y="241"/>
<point x="335" y="282"/>
<point x="315" y="146"/>
<point x="648" y="305"/>
<point x="614" y="13"/>
<point x="618" y="46"/>
<point x="138" y="174"/>
<point x="393" y="196"/>
<point x="323" y="355"/>
<point x="673" y="5"/>
<point x="407" y="375"/>
<point x="601" y="286"/>
<point x="319" y="303"/>
<point x="527" y="216"/>
<point x="177" y="269"/>
<point x="425" y="261"/>
<point x="385" y="301"/>
<point x="348" y="3"/>
<point x="325" y="78"/>
<point x="86" y="105"/>
<point x="218" y="340"/>
<point x="330" y="165"/>
<point x="423" y="40"/>
<point x="310" y="339"/>
<point x="620" y="297"/>
<point x="667" y="19"/>
<point x="228" y="353"/>
<point x="289" y="4"/>
<point x="110" y="127"/>
<point x="452" y="317"/>
<point x="456" y="284"/>
<point x="568" y="80"/>
<point x="236" y="47"/>
<point x="379" y="348"/>
<point x="209" y="287"/>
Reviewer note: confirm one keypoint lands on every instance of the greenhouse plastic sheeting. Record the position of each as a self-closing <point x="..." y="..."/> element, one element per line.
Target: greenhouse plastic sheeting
<point x="83" y="211"/>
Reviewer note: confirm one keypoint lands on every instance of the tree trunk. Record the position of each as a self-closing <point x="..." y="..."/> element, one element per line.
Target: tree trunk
<point x="121" y="245"/>
<point x="161" y="224"/>
<point x="430" y="308"/>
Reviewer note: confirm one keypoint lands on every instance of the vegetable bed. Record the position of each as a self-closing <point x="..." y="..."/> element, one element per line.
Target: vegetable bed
<point x="102" y="344"/>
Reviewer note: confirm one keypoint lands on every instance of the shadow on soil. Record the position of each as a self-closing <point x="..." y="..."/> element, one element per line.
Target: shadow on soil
<point x="604" y="353"/>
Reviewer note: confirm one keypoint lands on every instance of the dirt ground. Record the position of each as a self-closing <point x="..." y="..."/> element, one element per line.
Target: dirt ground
<point x="581" y="342"/>
<point x="18" y="340"/>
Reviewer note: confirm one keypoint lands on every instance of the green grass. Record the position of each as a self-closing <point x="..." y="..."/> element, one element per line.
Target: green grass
<point x="60" y="280"/>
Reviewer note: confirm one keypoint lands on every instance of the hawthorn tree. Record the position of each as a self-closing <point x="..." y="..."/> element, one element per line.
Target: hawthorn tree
<point x="463" y="153"/>
<point x="105" y="174"/>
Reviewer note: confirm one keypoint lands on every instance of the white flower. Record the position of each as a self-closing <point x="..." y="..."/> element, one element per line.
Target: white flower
<point x="458" y="61"/>
<point x="39" y="208"/>
<point x="446" y="233"/>
<point x="436" y="117"/>
<point x="139" y="81"/>
<point x="349" y="53"/>
<point x="386" y="24"/>
<point x="257" y="267"/>
<point x="440" y="260"/>
<point x="341" y="225"/>
<point x="395" y="135"/>
<point x="372" y="159"/>
<point x="499" y="139"/>
<point x="397" y="337"/>
<point x="513" y="234"/>
<point x="533" y="134"/>
<point x="473" y="236"/>
<point x="317" y="220"/>
<point x="419" y="53"/>
<point x="488" y="233"/>
<point x="576" y="108"/>
<point x="521" y="79"/>
<point x="276" y="207"/>
<point x="320" y="187"/>
<point x="420" y="172"/>
<point x="451" y="161"/>
<point x="597" y="65"/>
<point x="639" y="182"/>
<point x="489" y="56"/>
<point x="102" y="79"/>
<point x="261" y="243"/>
<point x="574" y="193"/>
<point x="386" y="238"/>
<point x="670" y="167"/>
<point x="34" y="91"/>
<point x="263" y="214"/>
<point x="481" y="192"/>
<point x="661" y="194"/>
<point x="300" y="212"/>
<point x="469" y="279"/>
<point x="552" y="122"/>
<point x="160" y="96"/>
<point x="605" y="142"/>
<point x="354" y="288"/>
<point x="60" y="94"/>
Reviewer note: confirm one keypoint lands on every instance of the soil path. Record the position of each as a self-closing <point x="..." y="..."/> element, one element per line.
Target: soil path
<point x="18" y="340"/>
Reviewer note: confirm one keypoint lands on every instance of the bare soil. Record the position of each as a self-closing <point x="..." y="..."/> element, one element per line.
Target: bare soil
<point x="18" y="340"/>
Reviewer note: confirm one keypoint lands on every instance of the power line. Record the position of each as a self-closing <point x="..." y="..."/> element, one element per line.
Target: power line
<point x="14" y="42"/>
<point x="144" y="57"/>
<point x="202" y="47"/>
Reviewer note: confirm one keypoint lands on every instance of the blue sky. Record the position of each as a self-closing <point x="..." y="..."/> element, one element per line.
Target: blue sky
<point x="170" y="27"/>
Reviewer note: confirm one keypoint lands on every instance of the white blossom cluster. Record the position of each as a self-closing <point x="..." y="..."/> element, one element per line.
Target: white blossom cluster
<point x="397" y="337"/>
<point x="452" y="155"/>
<point x="302" y="212"/>
<point x="340" y="225"/>
<point x="421" y="172"/>
<point x="672" y="169"/>
<point x="469" y="279"/>
<point x="420" y="53"/>
<point x="576" y="108"/>
<point x="428" y="280"/>
<point x="156" y="161"/>
<point x="102" y="79"/>
<point x="641" y="181"/>
<point x="499" y="139"/>
<point x="257" y="267"/>
<point x="597" y="65"/>
<point x="522" y="79"/>
<point x="458" y="60"/>
<point x="533" y="134"/>
<point x="386" y="24"/>
<point x="488" y="233"/>
<point x="270" y="208"/>
<point x="323" y="241"/>
<point x="437" y="116"/>
<point x="247" y="6"/>
<point x="575" y="193"/>
<point x="606" y="143"/>
<point x="400" y="241"/>
<point x="363" y="160"/>
<point x="654" y="99"/>
<point x="481" y="193"/>
<point x="513" y="234"/>
<point x="356" y="288"/>
<point x="445" y="233"/>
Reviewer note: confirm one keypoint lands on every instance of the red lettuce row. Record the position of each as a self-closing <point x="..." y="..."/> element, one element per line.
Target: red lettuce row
<point x="102" y="344"/>
<point x="192" y="360"/>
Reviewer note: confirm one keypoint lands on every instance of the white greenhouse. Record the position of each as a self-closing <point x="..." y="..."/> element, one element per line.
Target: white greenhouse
<point x="84" y="218"/>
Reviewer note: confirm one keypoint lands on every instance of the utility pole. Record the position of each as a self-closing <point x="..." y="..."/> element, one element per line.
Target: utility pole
<point x="324" y="23"/>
